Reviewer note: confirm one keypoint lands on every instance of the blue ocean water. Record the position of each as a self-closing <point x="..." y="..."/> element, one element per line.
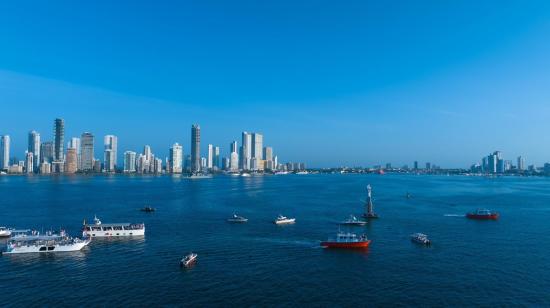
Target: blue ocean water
<point x="504" y="262"/>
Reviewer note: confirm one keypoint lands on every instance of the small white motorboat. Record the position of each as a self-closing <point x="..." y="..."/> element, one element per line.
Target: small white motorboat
<point x="237" y="219"/>
<point x="353" y="221"/>
<point x="5" y="232"/>
<point x="281" y="220"/>
<point x="421" y="238"/>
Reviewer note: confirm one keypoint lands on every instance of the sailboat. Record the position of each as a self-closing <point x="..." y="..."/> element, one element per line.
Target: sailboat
<point x="369" y="210"/>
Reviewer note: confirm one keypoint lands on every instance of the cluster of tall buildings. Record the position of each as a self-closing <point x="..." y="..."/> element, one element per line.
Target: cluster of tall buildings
<point x="495" y="163"/>
<point x="79" y="155"/>
<point x="53" y="157"/>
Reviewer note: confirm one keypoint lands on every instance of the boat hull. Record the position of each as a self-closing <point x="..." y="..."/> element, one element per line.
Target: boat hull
<point x="284" y="222"/>
<point x="114" y="233"/>
<point x="344" y="245"/>
<point x="48" y="248"/>
<point x="493" y="216"/>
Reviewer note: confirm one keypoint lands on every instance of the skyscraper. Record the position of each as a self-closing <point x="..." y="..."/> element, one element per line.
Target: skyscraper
<point x="59" y="136"/>
<point x="195" y="148"/>
<point x="46" y="152"/>
<point x="257" y="146"/>
<point x="521" y="163"/>
<point x="74" y="143"/>
<point x="216" y="159"/>
<point x="233" y="148"/>
<point x="71" y="162"/>
<point x="415" y="165"/>
<point x="268" y="153"/>
<point x="4" y="152"/>
<point x="109" y="160"/>
<point x="234" y="161"/>
<point x="87" y="151"/>
<point x="29" y="165"/>
<point x="129" y="161"/>
<point x="210" y="157"/>
<point x="246" y="151"/>
<point x="175" y="158"/>
<point x="34" y="148"/>
<point x="110" y="142"/>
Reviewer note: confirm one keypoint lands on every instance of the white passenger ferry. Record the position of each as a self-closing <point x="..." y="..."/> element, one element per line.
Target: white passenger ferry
<point x="98" y="229"/>
<point x="45" y="243"/>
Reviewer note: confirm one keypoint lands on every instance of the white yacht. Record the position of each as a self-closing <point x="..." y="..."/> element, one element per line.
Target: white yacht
<point x="198" y="176"/>
<point x="353" y="221"/>
<point x="45" y="243"/>
<point x="5" y="232"/>
<point x="281" y="220"/>
<point x="236" y="218"/>
<point x="98" y="229"/>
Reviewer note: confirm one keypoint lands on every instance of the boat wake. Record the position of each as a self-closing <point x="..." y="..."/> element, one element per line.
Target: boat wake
<point x="453" y="215"/>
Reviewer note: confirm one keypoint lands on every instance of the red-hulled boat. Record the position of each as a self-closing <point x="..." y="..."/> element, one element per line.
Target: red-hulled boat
<point x="483" y="214"/>
<point x="347" y="240"/>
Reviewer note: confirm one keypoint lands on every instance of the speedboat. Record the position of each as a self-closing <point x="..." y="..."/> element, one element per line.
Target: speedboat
<point x="237" y="218"/>
<point x="281" y="220"/>
<point x="421" y="238"/>
<point x="483" y="214"/>
<point x="188" y="260"/>
<point x="353" y="221"/>
<point x="347" y="240"/>
<point x="148" y="209"/>
<point x="5" y="232"/>
<point x="245" y="174"/>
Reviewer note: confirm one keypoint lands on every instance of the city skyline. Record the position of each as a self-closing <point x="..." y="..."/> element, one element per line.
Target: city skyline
<point x="49" y="157"/>
<point x="361" y="86"/>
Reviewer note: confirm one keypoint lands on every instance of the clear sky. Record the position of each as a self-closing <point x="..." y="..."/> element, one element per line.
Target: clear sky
<point x="330" y="83"/>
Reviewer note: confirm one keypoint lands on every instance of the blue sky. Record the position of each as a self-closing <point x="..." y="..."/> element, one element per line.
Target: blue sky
<point x="329" y="83"/>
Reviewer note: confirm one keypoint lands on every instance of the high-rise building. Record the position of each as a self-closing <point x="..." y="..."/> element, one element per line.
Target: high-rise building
<point x="521" y="163"/>
<point x="195" y="148"/>
<point x="58" y="139"/>
<point x="97" y="165"/>
<point x="492" y="161"/>
<point x="45" y="168"/>
<point x="109" y="160"/>
<point x="175" y="158"/>
<point x="34" y="148"/>
<point x="29" y="165"/>
<point x="216" y="159"/>
<point x="46" y="152"/>
<point x="74" y="143"/>
<point x="415" y="165"/>
<point x="148" y="153"/>
<point x="225" y="163"/>
<point x="87" y="151"/>
<point x="246" y="151"/>
<point x="71" y="161"/>
<point x="203" y="163"/>
<point x="210" y="157"/>
<point x="111" y="143"/>
<point x="257" y="146"/>
<point x="428" y="166"/>
<point x="4" y="152"/>
<point x="233" y="148"/>
<point x="129" y="161"/>
<point x="187" y="163"/>
<point x="234" y="161"/>
<point x="268" y="153"/>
